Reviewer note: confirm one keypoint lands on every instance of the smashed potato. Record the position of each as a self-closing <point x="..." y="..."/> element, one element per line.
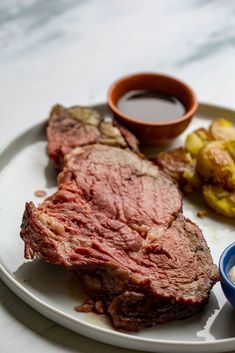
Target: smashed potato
<point x="196" y="140"/>
<point x="220" y="200"/>
<point x="193" y="179"/>
<point x="206" y="163"/>
<point x="230" y="147"/>
<point x="215" y="164"/>
<point x="222" y="129"/>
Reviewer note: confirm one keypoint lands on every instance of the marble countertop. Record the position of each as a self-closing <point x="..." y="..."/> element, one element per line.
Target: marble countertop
<point x="69" y="51"/>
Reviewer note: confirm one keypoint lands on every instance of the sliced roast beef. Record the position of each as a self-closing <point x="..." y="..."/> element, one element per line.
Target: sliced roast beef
<point x="116" y="221"/>
<point x="174" y="163"/>
<point x="80" y="126"/>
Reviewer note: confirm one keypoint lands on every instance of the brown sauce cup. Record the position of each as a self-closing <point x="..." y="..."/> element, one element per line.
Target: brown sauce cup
<point x="159" y="132"/>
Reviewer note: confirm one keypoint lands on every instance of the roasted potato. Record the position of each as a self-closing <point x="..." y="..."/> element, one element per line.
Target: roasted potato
<point x="192" y="178"/>
<point x="220" y="200"/>
<point x="230" y="147"/>
<point x="206" y="164"/>
<point x="222" y="129"/>
<point x="196" y="140"/>
<point x="215" y="164"/>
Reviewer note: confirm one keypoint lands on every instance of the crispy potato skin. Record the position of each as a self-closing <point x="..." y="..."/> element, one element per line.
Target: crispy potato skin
<point x="215" y="164"/>
<point x="207" y="164"/>
<point x="196" y="140"/>
<point x="230" y="147"/>
<point x="220" y="200"/>
<point x="192" y="177"/>
<point x="222" y="129"/>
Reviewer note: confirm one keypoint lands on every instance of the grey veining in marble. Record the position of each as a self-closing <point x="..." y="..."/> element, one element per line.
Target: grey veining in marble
<point x="70" y="51"/>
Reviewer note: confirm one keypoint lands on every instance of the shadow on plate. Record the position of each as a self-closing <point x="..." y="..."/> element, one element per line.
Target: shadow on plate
<point x="61" y="338"/>
<point x="29" y="137"/>
<point x="223" y="324"/>
<point x="52" y="280"/>
<point x="50" y="175"/>
<point x="57" y="285"/>
<point x="196" y="199"/>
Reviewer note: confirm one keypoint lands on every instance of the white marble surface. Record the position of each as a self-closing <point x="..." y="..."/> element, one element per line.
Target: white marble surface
<point x="69" y="51"/>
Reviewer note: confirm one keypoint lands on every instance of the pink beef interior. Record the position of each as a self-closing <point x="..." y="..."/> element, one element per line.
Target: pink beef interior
<point x="116" y="221"/>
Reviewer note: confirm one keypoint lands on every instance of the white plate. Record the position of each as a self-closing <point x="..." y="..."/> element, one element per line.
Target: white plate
<point x="51" y="290"/>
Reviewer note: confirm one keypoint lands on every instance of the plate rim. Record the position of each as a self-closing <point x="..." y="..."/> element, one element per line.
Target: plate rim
<point x="20" y="291"/>
<point x="41" y="306"/>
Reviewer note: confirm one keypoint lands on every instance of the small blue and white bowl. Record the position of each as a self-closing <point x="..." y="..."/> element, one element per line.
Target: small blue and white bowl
<point x="227" y="260"/>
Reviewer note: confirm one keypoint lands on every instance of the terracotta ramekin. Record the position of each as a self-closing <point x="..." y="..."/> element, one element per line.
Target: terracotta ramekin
<point x="159" y="132"/>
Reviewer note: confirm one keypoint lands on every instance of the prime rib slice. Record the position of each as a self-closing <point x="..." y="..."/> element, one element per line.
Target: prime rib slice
<point x="80" y="126"/>
<point x="116" y="221"/>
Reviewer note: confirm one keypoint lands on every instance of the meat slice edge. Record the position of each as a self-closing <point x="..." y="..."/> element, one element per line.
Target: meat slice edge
<point x="141" y="285"/>
<point x="116" y="221"/>
<point x="80" y="126"/>
<point x="146" y="259"/>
